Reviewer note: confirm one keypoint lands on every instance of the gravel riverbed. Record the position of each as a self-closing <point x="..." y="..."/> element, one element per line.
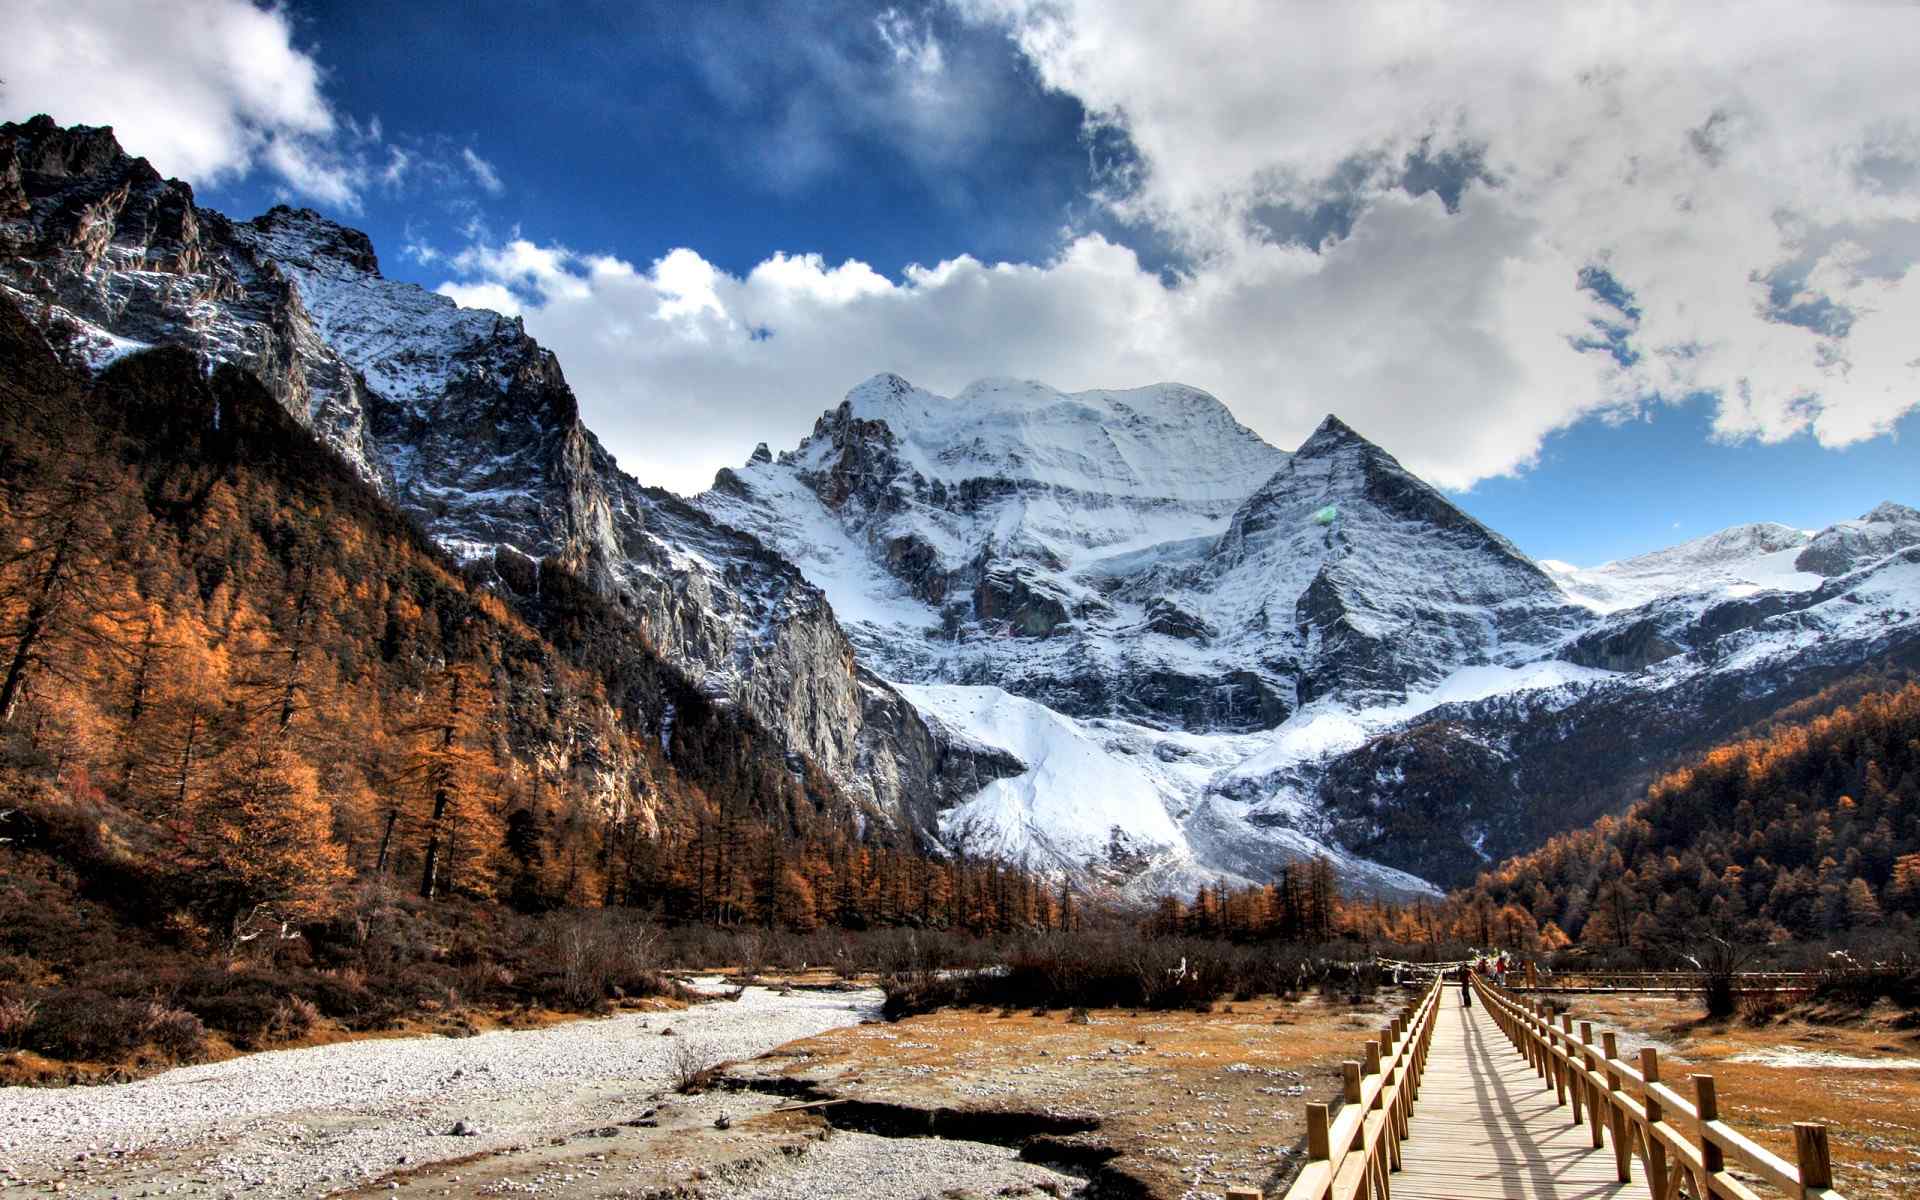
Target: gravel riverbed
<point x="310" y="1121"/>
<point x="878" y="1168"/>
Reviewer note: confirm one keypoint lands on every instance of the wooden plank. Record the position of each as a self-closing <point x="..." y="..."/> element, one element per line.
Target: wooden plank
<point x="1488" y="1126"/>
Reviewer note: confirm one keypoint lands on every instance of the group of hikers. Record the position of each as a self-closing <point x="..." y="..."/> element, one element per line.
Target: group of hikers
<point x="1487" y="966"/>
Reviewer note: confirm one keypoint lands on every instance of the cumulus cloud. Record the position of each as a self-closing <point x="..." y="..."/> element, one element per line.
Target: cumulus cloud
<point x="213" y="89"/>
<point x="1748" y="174"/>
<point x="1461" y="228"/>
<point x="204" y="88"/>
<point x="681" y="366"/>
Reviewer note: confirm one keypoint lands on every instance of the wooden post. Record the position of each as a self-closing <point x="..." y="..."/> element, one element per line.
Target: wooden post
<point x="1244" y="1193"/>
<point x="1373" y="1058"/>
<point x="1591" y="1095"/>
<point x="1610" y="1046"/>
<point x="1556" y="1067"/>
<point x="1350" y="1075"/>
<point x="1708" y="1105"/>
<point x="1574" y="1091"/>
<point x="1656" y="1149"/>
<point x="1319" y="1138"/>
<point x="1810" y="1151"/>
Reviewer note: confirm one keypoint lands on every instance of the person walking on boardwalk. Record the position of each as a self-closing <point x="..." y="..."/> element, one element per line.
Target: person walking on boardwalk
<point x="1466" y="988"/>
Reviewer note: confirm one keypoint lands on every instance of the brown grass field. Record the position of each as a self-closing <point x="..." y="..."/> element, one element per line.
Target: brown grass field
<point x="1185" y="1101"/>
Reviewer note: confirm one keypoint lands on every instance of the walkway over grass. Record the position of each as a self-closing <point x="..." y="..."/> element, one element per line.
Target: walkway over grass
<point x="1497" y="1100"/>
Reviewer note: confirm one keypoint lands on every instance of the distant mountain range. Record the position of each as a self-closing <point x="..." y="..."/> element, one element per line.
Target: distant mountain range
<point x="1109" y="634"/>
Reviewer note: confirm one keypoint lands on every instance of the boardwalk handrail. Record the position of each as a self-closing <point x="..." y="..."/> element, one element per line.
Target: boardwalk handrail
<point x="1350" y="1155"/>
<point x="1679" y="1141"/>
<point x="1575" y="979"/>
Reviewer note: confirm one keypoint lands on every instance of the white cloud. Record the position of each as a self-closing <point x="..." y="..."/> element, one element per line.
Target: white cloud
<point x="214" y="89"/>
<point x="1693" y="151"/>
<point x="681" y="366"/>
<point x="205" y="89"/>
<point x="1730" y="166"/>
<point x="483" y="171"/>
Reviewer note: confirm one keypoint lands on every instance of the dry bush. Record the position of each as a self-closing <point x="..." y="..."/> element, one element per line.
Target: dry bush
<point x="603" y="953"/>
<point x="82" y="1024"/>
<point x="177" y="1033"/>
<point x="689" y="1066"/>
<point x="16" y="1017"/>
<point x="293" y="1017"/>
<point x="1760" y="1008"/>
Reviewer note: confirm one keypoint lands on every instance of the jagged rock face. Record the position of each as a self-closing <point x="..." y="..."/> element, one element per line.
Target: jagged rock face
<point x="107" y="258"/>
<point x="1849" y="545"/>
<point x="458" y="416"/>
<point x="985" y="538"/>
<point x="1369" y="581"/>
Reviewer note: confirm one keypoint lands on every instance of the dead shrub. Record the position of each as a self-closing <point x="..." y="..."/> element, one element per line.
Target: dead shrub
<point x="293" y="1018"/>
<point x="81" y="1024"/>
<point x="176" y="1033"/>
<point x="16" y="1017"/>
<point x="690" y="1066"/>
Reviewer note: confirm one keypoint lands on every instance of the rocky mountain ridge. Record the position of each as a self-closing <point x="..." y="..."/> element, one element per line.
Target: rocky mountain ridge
<point x="1113" y="634"/>
<point x="462" y="420"/>
<point x="1289" y="672"/>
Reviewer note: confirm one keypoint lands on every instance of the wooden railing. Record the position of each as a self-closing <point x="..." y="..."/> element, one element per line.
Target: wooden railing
<point x="1350" y="1155"/>
<point x="1668" y="982"/>
<point x="1680" y="1142"/>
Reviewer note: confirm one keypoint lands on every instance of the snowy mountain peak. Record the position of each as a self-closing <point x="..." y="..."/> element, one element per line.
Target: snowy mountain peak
<point x="303" y="234"/>
<point x="1732" y="563"/>
<point x="1331" y="435"/>
<point x="1022" y="434"/>
<point x="1847" y="545"/>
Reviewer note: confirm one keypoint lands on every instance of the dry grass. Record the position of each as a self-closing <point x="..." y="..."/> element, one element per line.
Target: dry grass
<point x="1185" y="1100"/>
<point x="1873" y="1114"/>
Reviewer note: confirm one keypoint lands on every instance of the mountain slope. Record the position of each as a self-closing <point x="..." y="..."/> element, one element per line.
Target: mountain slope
<point x="464" y="422"/>
<point x="1735" y="562"/>
<point x="1111" y="634"/>
<point x="1806" y="830"/>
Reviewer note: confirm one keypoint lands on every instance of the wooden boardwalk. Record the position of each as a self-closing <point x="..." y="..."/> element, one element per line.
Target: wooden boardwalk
<point x="1501" y="1100"/>
<point x="1487" y="1125"/>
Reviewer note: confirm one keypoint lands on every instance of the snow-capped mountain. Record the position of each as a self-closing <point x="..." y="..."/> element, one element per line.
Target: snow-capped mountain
<point x="990" y="537"/>
<point x="1191" y="641"/>
<point x="1114" y="634"/>
<point x="1135" y="554"/>
<point x="1847" y="545"/>
<point x="1735" y="562"/>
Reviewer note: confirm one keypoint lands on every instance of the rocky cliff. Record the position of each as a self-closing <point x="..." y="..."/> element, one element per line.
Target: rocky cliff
<point x="461" y="419"/>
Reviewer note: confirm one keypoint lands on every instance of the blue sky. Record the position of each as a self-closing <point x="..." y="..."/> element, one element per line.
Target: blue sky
<point x="722" y="216"/>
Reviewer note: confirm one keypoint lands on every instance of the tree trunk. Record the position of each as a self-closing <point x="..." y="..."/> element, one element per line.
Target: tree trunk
<point x="39" y="611"/>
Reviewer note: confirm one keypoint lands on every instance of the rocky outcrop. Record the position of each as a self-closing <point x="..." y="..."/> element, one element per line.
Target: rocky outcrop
<point x="1849" y="545"/>
<point x="1376" y="583"/>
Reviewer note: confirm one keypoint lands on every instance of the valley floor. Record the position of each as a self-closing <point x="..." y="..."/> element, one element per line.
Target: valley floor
<point x="822" y="1100"/>
<point x="588" y="1102"/>
<point x="1180" y="1104"/>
